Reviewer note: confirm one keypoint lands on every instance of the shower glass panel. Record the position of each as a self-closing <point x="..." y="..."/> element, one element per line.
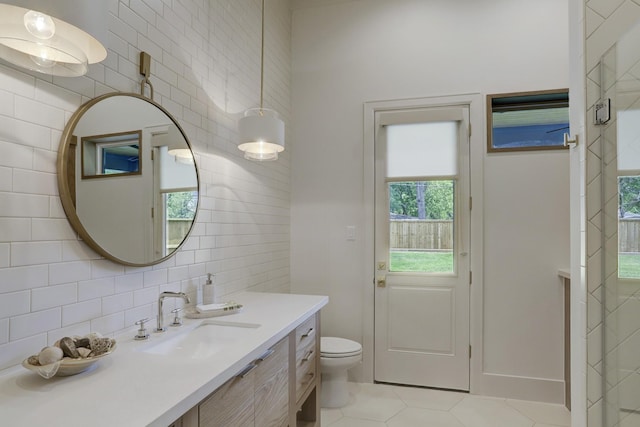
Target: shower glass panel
<point x="620" y="162"/>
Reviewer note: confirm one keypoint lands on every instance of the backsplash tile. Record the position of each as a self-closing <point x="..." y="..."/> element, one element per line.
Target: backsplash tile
<point x="51" y="229"/>
<point x="109" y="324"/>
<point x="15" y="303"/>
<point x="34" y="323"/>
<point x="81" y="312"/>
<point x="4" y="331"/>
<point x="39" y="113"/>
<point x="24" y="133"/>
<point x="21" y="278"/>
<point x="16" y="351"/>
<point x="5" y="250"/>
<point x="23" y="205"/>
<point x="117" y="303"/>
<point x="54" y="296"/>
<point x="6" y="179"/>
<point x="33" y="182"/>
<point x="66" y="272"/>
<point x="96" y="288"/>
<point x="15" y="229"/>
<point x="33" y="253"/>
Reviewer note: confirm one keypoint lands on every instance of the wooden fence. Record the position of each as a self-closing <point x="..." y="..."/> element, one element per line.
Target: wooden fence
<point x="178" y="228"/>
<point x="422" y="234"/>
<point x="438" y="235"/>
<point x="629" y="235"/>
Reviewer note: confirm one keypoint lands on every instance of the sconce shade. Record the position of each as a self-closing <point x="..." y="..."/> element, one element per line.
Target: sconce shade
<point x="39" y="39"/>
<point x="261" y="134"/>
<point x="176" y="144"/>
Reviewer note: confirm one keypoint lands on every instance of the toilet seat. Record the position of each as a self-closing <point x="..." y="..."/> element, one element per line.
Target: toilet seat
<point x="333" y="347"/>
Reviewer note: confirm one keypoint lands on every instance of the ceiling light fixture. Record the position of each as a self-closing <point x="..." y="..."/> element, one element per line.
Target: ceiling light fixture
<point x="50" y="37"/>
<point x="261" y="129"/>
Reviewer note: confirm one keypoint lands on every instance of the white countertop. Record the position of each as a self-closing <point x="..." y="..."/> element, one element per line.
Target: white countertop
<point x="564" y="273"/>
<point x="133" y="388"/>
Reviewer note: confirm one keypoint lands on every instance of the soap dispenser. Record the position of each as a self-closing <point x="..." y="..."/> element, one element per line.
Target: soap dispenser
<point x="209" y="290"/>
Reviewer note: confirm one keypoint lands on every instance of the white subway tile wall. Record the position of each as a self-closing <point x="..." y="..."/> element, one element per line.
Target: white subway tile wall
<point x="205" y="72"/>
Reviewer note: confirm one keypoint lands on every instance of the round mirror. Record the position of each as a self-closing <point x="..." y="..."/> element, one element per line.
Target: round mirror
<point x="127" y="179"/>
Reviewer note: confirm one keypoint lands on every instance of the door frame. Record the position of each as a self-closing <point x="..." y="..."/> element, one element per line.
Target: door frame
<point x="476" y="155"/>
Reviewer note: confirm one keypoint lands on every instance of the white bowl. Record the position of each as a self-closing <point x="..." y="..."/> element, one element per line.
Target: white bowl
<point x="67" y="366"/>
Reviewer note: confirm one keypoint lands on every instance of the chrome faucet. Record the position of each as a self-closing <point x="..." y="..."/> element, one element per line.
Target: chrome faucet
<point x="160" y="327"/>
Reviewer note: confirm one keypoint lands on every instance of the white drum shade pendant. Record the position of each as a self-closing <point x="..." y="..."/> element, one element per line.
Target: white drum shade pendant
<point x="52" y="36"/>
<point x="262" y="134"/>
<point x="261" y="129"/>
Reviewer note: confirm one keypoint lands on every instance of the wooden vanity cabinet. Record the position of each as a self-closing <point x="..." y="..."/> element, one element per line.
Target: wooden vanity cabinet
<point x="272" y="387"/>
<point x="232" y="405"/>
<point x="305" y="378"/>
<point x="258" y="396"/>
<point x="281" y="388"/>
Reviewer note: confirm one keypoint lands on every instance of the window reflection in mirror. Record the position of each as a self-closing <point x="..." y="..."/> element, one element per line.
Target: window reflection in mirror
<point x="180" y="211"/>
<point x="176" y="194"/>
<point x="111" y="154"/>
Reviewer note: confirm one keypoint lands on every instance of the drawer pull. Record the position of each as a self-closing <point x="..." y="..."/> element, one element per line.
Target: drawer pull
<point x="246" y="370"/>
<point x="309" y="333"/>
<point x="307" y="356"/>
<point x="264" y="356"/>
<point x="307" y="378"/>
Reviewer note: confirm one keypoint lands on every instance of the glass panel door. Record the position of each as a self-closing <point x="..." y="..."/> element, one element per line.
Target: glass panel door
<point x="421" y="226"/>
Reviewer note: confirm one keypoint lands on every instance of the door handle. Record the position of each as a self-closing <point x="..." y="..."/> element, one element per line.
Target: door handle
<point x="381" y="281"/>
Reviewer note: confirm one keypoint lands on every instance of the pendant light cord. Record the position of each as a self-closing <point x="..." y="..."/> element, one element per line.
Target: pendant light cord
<point x="262" y="62"/>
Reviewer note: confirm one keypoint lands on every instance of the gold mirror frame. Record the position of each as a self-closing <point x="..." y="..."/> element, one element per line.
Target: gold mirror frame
<point x="67" y="186"/>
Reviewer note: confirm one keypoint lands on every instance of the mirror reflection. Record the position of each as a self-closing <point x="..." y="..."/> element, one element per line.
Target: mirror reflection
<point x="131" y="189"/>
<point x="112" y="154"/>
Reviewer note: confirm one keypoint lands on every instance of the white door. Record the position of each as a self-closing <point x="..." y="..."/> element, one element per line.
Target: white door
<point x="422" y="247"/>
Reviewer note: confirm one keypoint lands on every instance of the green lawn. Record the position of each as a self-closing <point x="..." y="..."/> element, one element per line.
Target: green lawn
<point x="629" y="265"/>
<point x="432" y="262"/>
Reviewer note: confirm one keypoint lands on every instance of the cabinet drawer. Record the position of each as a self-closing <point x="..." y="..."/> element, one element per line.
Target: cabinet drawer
<point x="306" y="355"/>
<point x="232" y="405"/>
<point x="305" y="373"/>
<point x="306" y="333"/>
<point x="272" y="387"/>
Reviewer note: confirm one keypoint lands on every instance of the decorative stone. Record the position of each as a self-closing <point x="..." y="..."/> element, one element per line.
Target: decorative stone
<point x="33" y="360"/>
<point x="84" y="352"/>
<point x="69" y="348"/>
<point x="94" y="335"/>
<point x="82" y="342"/>
<point x="100" y="346"/>
<point x="50" y="355"/>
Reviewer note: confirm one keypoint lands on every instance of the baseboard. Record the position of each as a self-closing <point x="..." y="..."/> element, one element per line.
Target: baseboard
<point x="521" y="388"/>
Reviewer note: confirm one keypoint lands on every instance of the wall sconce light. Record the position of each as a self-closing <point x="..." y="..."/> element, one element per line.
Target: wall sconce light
<point x="51" y="36"/>
<point x="261" y="130"/>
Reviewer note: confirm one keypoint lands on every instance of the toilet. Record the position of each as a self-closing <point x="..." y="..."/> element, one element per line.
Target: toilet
<point x="337" y="356"/>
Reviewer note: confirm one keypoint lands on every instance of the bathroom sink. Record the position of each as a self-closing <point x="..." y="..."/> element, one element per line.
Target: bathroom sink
<point x="202" y="341"/>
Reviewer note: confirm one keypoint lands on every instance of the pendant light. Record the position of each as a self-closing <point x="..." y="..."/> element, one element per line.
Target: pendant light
<point x="261" y="130"/>
<point x="51" y="36"/>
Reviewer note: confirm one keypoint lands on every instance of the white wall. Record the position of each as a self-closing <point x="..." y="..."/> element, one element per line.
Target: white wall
<point x="205" y="71"/>
<point x="346" y="53"/>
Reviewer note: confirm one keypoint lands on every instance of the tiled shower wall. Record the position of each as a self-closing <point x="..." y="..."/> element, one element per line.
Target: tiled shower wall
<point x="205" y="72"/>
<point x="606" y="22"/>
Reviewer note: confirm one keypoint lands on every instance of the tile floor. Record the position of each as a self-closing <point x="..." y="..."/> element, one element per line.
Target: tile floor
<point x="379" y="405"/>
